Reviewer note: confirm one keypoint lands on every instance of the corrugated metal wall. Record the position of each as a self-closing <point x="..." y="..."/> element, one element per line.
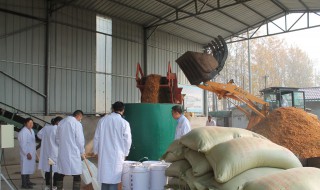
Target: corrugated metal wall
<point x="22" y="55"/>
<point x="164" y="48"/>
<point x="127" y="51"/>
<point x="72" y="61"/>
<point x="73" y="56"/>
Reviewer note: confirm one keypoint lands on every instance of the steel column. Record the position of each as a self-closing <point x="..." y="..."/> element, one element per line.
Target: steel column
<point x="47" y="57"/>
<point x="145" y="50"/>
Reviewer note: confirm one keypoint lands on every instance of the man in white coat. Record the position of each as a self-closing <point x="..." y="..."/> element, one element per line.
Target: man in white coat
<point x="112" y="142"/>
<point x="210" y="121"/>
<point x="70" y="141"/>
<point x="49" y="149"/>
<point x="27" y="142"/>
<point x="183" y="127"/>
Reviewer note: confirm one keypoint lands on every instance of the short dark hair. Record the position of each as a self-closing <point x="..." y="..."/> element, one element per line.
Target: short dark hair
<point x="118" y="106"/>
<point x="57" y="120"/>
<point x="77" y="112"/>
<point x="177" y="108"/>
<point x="27" y="120"/>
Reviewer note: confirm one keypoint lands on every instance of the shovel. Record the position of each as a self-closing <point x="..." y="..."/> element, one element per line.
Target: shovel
<point x="95" y="184"/>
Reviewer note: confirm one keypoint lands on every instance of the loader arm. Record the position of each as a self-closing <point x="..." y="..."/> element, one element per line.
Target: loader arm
<point x="232" y="91"/>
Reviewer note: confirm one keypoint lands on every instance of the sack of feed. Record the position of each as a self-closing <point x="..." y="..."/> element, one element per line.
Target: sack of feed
<point x="203" y="139"/>
<point x="233" y="157"/>
<point x="176" y="183"/>
<point x="178" y="168"/>
<point x="191" y="180"/>
<point x="198" y="162"/>
<point x="174" y="152"/>
<point x="304" y="178"/>
<point x="236" y="182"/>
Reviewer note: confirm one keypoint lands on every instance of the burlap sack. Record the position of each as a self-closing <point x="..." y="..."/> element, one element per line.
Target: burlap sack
<point x="177" y="183"/>
<point x="203" y="139"/>
<point x="306" y="178"/>
<point x="198" y="162"/>
<point x="178" y="168"/>
<point x="236" y="182"/>
<point x="174" y="152"/>
<point x="233" y="157"/>
<point x="191" y="179"/>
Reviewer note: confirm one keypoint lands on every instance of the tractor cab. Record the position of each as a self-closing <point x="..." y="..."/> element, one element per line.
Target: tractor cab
<point x="283" y="97"/>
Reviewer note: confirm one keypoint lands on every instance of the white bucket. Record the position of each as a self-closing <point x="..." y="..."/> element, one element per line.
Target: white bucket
<point x="126" y="174"/>
<point x="140" y="178"/>
<point x="158" y="179"/>
<point x="151" y="162"/>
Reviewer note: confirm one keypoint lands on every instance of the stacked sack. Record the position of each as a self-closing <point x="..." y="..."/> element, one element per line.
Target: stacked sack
<point x="219" y="158"/>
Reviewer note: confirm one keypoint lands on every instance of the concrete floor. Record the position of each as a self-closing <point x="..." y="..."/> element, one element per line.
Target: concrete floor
<point x="12" y="174"/>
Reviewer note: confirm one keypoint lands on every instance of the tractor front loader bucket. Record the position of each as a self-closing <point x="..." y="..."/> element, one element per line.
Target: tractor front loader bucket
<point x="202" y="67"/>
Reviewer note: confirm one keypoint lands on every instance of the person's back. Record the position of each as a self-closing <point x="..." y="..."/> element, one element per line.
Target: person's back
<point x="70" y="140"/>
<point x="113" y="128"/>
<point x="112" y="141"/>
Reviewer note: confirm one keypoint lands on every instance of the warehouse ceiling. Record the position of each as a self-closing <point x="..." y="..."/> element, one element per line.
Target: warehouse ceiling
<point x="201" y="20"/>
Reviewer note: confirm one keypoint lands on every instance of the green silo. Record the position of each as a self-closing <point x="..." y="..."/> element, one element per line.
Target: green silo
<point x="152" y="128"/>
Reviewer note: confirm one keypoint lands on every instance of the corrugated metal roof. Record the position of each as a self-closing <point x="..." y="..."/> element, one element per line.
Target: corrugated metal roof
<point x="205" y="19"/>
<point x="311" y="93"/>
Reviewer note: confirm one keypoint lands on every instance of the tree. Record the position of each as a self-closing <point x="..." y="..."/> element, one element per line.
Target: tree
<point x="271" y="59"/>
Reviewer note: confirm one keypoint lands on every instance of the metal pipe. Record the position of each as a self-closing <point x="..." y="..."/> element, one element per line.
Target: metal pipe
<point x="205" y="102"/>
<point x="47" y="58"/>
<point x="249" y="63"/>
<point x="145" y="50"/>
<point x="39" y="93"/>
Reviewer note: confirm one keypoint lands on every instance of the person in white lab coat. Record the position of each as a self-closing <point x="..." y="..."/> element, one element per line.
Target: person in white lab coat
<point x="27" y="142"/>
<point x="112" y="142"/>
<point x="210" y="121"/>
<point x="48" y="149"/>
<point x="70" y="141"/>
<point x="183" y="126"/>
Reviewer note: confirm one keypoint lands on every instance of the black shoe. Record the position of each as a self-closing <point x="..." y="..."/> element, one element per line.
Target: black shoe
<point x="26" y="187"/>
<point x="31" y="184"/>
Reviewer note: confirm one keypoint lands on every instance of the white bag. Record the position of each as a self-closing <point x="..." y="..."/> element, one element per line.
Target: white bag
<point x="85" y="176"/>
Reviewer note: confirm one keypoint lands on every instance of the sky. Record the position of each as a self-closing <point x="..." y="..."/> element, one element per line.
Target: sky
<point x="308" y="40"/>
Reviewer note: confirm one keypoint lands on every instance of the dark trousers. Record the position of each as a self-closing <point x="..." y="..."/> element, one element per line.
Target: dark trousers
<point x="48" y="177"/>
<point x="59" y="180"/>
<point x="105" y="186"/>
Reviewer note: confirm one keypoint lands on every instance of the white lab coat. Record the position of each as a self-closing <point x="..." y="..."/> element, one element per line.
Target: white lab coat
<point x="70" y="141"/>
<point x="183" y="127"/>
<point x="27" y="142"/>
<point x="49" y="147"/>
<point x="112" y="142"/>
<point x="211" y="123"/>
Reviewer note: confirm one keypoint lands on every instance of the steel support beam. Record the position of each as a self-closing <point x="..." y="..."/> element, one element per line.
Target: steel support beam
<point x="199" y="13"/>
<point x="47" y="57"/>
<point x="63" y="5"/>
<point x="287" y="28"/>
<point x="22" y="15"/>
<point x="201" y="19"/>
<point x="145" y="51"/>
<point x="145" y="12"/>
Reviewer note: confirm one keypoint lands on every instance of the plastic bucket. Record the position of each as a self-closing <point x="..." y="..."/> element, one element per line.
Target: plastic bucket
<point x="126" y="173"/>
<point x="150" y="162"/>
<point x="158" y="179"/>
<point x="140" y="178"/>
